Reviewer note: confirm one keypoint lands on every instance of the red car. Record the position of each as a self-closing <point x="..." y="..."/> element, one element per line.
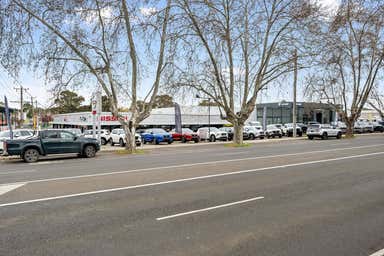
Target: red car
<point x="186" y="135"/>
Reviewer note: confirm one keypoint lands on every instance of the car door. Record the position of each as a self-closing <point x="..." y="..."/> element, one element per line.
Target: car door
<point x="114" y="136"/>
<point x="51" y="142"/>
<point x="69" y="142"/>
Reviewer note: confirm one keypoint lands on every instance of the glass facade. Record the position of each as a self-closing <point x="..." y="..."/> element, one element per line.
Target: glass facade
<point x="281" y="113"/>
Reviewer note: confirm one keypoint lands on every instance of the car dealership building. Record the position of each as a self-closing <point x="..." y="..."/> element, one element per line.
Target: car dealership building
<point x="198" y="116"/>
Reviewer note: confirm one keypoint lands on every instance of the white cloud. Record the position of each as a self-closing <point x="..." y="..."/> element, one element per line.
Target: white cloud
<point x="148" y="11"/>
<point x="329" y="6"/>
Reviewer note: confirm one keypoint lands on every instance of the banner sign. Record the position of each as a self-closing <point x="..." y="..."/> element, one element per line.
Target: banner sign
<point x="177" y="118"/>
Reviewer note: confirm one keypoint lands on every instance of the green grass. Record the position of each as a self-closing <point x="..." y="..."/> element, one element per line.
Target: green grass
<point x="350" y="136"/>
<point x="234" y="145"/>
<point x="126" y="152"/>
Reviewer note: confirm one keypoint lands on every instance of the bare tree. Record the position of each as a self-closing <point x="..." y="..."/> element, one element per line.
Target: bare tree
<point x="376" y="101"/>
<point x="116" y="44"/>
<point x="235" y="48"/>
<point x="353" y="54"/>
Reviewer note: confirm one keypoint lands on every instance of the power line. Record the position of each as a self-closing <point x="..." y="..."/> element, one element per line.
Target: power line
<point x="16" y="81"/>
<point x="6" y="87"/>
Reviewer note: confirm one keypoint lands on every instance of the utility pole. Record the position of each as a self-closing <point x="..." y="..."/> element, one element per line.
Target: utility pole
<point x="38" y="114"/>
<point x="294" y="115"/>
<point x="21" y="89"/>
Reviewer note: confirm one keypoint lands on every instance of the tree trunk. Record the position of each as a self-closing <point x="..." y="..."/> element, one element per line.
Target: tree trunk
<point x="350" y="125"/>
<point x="238" y="133"/>
<point x="130" y="138"/>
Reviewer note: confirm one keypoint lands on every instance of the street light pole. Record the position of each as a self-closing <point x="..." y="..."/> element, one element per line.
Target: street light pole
<point x="209" y="117"/>
<point x="294" y="115"/>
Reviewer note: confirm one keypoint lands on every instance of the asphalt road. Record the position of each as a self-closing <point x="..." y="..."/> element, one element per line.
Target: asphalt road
<point x="289" y="198"/>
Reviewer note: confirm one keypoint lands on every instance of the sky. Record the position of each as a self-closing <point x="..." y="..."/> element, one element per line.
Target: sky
<point x="40" y="89"/>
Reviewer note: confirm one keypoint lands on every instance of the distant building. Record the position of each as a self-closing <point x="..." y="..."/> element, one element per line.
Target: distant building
<point x="282" y="112"/>
<point x="370" y="114"/>
<point x="197" y="116"/>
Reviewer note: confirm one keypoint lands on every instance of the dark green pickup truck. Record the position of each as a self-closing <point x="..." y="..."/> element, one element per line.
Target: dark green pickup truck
<point x="52" y="141"/>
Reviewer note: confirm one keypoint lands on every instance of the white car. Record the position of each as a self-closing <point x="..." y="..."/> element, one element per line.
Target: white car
<point x="367" y="126"/>
<point x="75" y="131"/>
<point x="104" y="135"/>
<point x="18" y="134"/>
<point x="212" y="134"/>
<point x="117" y="136"/>
<point x="288" y="130"/>
<point x="323" y="131"/>
<point x="340" y="125"/>
<point x="254" y="132"/>
<point x="273" y="131"/>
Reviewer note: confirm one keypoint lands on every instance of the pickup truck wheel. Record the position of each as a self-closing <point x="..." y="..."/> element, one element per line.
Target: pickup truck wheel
<point x="310" y="137"/>
<point x="103" y="141"/>
<point x="89" y="151"/>
<point x="111" y="142"/>
<point x="325" y="136"/>
<point x="121" y="143"/>
<point x="251" y="136"/>
<point x="212" y="138"/>
<point x="338" y="135"/>
<point x="31" y="155"/>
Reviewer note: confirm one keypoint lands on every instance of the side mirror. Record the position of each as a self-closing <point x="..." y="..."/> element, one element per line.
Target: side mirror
<point x="75" y="138"/>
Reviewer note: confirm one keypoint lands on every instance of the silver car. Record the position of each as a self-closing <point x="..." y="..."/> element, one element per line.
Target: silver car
<point x="18" y="134"/>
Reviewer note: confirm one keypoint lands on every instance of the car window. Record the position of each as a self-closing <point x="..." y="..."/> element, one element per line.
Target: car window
<point x="158" y="131"/>
<point x="5" y="134"/>
<point x="25" y="133"/>
<point x="66" y="135"/>
<point x="213" y="129"/>
<point x="50" y="135"/>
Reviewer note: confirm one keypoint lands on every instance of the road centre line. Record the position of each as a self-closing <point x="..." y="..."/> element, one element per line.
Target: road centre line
<point x="210" y="208"/>
<point x="378" y="253"/>
<point x="186" y="179"/>
<point x="189" y="165"/>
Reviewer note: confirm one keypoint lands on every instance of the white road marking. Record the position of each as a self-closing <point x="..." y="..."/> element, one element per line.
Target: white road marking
<point x="8" y="188"/>
<point x="17" y="171"/>
<point x="378" y="253"/>
<point x="210" y="208"/>
<point x="187" y="179"/>
<point x="188" y="165"/>
<point x="48" y="162"/>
